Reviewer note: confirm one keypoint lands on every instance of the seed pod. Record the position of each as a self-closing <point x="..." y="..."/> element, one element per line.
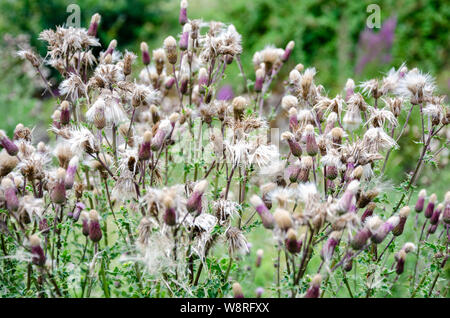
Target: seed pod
<point x="266" y="217"/>
<point x="314" y="288"/>
<point x="95" y="231"/>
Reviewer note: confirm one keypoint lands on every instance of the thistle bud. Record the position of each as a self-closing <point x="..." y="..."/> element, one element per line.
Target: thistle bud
<point x="93" y="26"/>
<point x="170" y="215"/>
<point x="344" y="203"/>
<point x="434" y="220"/>
<point x="79" y="207"/>
<point x="311" y="146"/>
<point x="283" y="219"/>
<point x="95" y="231"/>
<point x="184" y="84"/>
<point x="293" y="172"/>
<point x="288" y="51"/>
<point x="239" y="103"/>
<point x="65" y="113"/>
<point x="111" y="47"/>
<point x="145" y="147"/>
<point x="446" y="213"/>
<point x="70" y="173"/>
<point x="184" y="40"/>
<point x="194" y="202"/>
<point x="259" y="291"/>
<point x="432" y="229"/>
<point x="202" y="80"/>
<point x="10" y="147"/>
<point x="183" y="12"/>
<point x="359" y="240"/>
<point x="85" y="223"/>
<point x="259" y="255"/>
<point x="266" y="217"/>
<point x="161" y="134"/>
<point x="430" y="207"/>
<point x="292" y="244"/>
<point x="294" y="146"/>
<point x="158" y="56"/>
<point x="420" y="201"/>
<point x="368" y="212"/>
<point x="43" y="226"/>
<point x="328" y="248"/>
<point x="293" y="119"/>
<point x="384" y="229"/>
<point x="145" y="53"/>
<point x="9" y="189"/>
<point x="55" y="117"/>
<point x="170" y="47"/>
<point x="400" y="257"/>
<point x="58" y="193"/>
<point x="403" y="214"/>
<point x="265" y="189"/>
<point x="237" y="290"/>
<point x="259" y="80"/>
<point x="314" y="289"/>
<point x="349" y="89"/>
<point x="38" y="257"/>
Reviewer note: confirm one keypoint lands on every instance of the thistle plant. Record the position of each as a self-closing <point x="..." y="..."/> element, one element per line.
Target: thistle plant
<point x="154" y="185"/>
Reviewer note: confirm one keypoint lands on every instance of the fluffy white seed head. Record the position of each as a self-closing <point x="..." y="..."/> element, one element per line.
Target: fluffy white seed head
<point x="201" y="186"/>
<point x="256" y="201"/>
<point x="404" y="212"/>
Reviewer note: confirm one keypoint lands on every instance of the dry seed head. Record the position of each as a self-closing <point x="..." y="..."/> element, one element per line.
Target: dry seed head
<point x="266" y="188"/>
<point x="183" y="4"/>
<point x="299" y="67"/>
<point x="350" y="84"/>
<point x="404" y="212"/>
<point x="358" y="172"/>
<point x="35" y="240"/>
<point x="373" y="223"/>
<point x="309" y="129"/>
<point x="144" y="47"/>
<point x="283" y="219"/>
<point x="260" y="253"/>
<point x="237" y="290"/>
<point x="294" y="76"/>
<point x="401" y="255"/>
<point x="337" y="132"/>
<point x="256" y="200"/>
<point x="293" y="112"/>
<point x="289" y="101"/>
<point x="353" y="186"/>
<point x="307" y="162"/>
<point x="84" y="215"/>
<point x="168" y="201"/>
<point x="93" y="215"/>
<point x="95" y="18"/>
<point x="174" y="117"/>
<point x="287" y="135"/>
<point x="290" y="45"/>
<point x="336" y="235"/>
<point x="260" y="73"/>
<point x="239" y="103"/>
<point x="7" y="163"/>
<point x="56" y="115"/>
<point x="170" y="46"/>
<point x="7" y="183"/>
<point x="65" y="105"/>
<point x="422" y="193"/>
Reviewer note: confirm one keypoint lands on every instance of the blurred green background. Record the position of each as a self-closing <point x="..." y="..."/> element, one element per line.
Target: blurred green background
<point x="329" y="35"/>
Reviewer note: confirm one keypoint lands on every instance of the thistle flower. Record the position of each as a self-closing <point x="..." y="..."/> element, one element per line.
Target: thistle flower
<point x="328" y="248"/>
<point x="283" y="219"/>
<point x="95" y="231"/>
<point x="38" y="257"/>
<point x="70" y="172"/>
<point x="7" y="143"/>
<point x="194" y="202"/>
<point x="292" y="244"/>
<point x="420" y="201"/>
<point x="430" y="207"/>
<point x="58" y="193"/>
<point x="259" y="256"/>
<point x="436" y="214"/>
<point x="145" y="147"/>
<point x="170" y="48"/>
<point x="311" y="145"/>
<point x="164" y="129"/>
<point x="384" y="229"/>
<point x="314" y="288"/>
<point x="183" y="19"/>
<point x="145" y="53"/>
<point x="237" y="290"/>
<point x="259" y="291"/>
<point x="376" y="140"/>
<point x="9" y="189"/>
<point x="400" y="257"/>
<point x="416" y="86"/>
<point x="93" y="26"/>
<point x="344" y="203"/>
<point x="266" y="217"/>
<point x="403" y="214"/>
